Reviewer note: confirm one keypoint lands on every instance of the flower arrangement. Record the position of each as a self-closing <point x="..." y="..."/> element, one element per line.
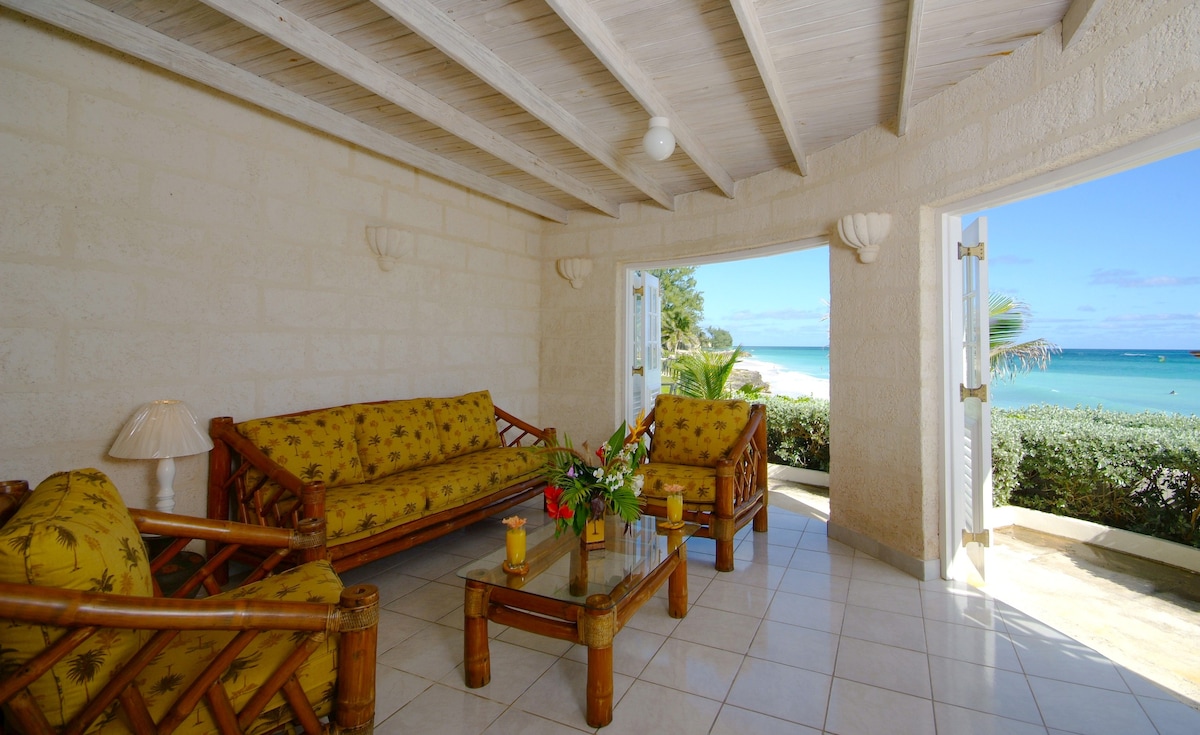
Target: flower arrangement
<point x="583" y="487"/>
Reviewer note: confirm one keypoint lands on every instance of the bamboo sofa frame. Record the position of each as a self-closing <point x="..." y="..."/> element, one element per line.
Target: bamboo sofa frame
<point x="261" y="504"/>
<point x="741" y="487"/>
<point x="354" y="619"/>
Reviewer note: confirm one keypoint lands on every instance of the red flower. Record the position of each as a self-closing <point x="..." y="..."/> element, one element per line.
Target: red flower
<point x="600" y="452"/>
<point x="554" y="508"/>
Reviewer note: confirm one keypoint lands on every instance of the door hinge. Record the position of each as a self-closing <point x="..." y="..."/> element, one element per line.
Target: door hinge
<point x="638" y="290"/>
<point x="984" y="538"/>
<point x="980" y="392"/>
<point x="639" y="371"/>
<point x="975" y="251"/>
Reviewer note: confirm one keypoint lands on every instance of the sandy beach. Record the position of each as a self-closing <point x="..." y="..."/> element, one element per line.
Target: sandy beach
<point x="787" y="382"/>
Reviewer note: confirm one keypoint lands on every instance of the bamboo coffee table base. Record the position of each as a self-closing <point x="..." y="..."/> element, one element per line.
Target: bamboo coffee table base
<point x="594" y="625"/>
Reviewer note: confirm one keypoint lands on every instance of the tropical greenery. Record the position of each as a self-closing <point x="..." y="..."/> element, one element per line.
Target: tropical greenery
<point x="1007" y="320"/>
<point x="704" y="374"/>
<point x="582" y="486"/>
<point x="682" y="309"/>
<point x="1139" y="472"/>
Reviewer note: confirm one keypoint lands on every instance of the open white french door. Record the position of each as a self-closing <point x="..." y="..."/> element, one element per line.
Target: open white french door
<point x="966" y="526"/>
<point x="643" y="330"/>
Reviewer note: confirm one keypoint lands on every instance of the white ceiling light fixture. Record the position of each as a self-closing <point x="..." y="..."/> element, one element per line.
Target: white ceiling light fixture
<point x="659" y="141"/>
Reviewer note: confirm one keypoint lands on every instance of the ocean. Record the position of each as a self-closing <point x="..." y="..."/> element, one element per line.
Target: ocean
<point x="1129" y="381"/>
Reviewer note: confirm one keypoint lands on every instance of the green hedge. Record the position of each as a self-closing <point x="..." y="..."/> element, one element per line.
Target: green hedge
<point x="798" y="432"/>
<point x="1139" y="472"/>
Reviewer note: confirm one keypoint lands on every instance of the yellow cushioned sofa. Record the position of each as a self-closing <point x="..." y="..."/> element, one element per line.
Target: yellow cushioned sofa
<point x="90" y="646"/>
<point x="717" y="452"/>
<point x="385" y="475"/>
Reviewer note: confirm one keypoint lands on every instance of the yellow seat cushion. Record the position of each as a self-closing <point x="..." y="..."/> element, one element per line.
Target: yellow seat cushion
<point x="696" y="432"/>
<point x="74" y="533"/>
<point x="191" y="651"/>
<point x="699" y="483"/>
<point x="314" y="446"/>
<point x="466" y="423"/>
<point x="396" y="436"/>
<point x="358" y="511"/>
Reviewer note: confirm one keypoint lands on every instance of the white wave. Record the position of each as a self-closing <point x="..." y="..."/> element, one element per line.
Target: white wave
<point x="786" y="382"/>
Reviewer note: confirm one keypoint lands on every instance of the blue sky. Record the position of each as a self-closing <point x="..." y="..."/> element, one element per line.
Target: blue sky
<point x="1113" y="263"/>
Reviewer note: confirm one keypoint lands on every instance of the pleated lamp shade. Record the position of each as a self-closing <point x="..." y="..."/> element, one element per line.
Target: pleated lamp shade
<point x="162" y="430"/>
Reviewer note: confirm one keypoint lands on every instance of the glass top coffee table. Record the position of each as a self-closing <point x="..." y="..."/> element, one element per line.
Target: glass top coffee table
<point x="576" y="595"/>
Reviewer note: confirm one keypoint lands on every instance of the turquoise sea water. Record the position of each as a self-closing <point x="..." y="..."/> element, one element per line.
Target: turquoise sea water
<point x="1119" y="380"/>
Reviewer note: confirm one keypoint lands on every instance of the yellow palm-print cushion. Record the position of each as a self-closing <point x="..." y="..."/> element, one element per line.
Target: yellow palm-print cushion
<point x="357" y="511"/>
<point x="466" y="423"/>
<point x="314" y="446"/>
<point x="191" y="651"/>
<point x="699" y="483"/>
<point x="396" y="436"/>
<point x="73" y="532"/>
<point x="694" y="431"/>
<point x="461" y="479"/>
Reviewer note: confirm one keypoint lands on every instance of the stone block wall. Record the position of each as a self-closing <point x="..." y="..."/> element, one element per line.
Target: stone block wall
<point x="161" y="240"/>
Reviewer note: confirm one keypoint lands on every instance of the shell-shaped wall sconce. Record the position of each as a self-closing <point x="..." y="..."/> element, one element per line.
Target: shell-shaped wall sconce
<point x="389" y="245"/>
<point x="864" y="232"/>
<point x="574" y="270"/>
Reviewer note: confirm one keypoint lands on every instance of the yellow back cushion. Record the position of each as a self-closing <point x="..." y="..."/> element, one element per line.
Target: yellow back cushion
<point x="694" y="431"/>
<point x="466" y="423"/>
<point x="73" y="532"/>
<point x="395" y="436"/>
<point x="319" y="445"/>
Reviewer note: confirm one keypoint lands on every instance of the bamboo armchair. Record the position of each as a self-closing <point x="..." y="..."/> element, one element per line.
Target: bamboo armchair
<point x="717" y="452"/>
<point x="287" y="650"/>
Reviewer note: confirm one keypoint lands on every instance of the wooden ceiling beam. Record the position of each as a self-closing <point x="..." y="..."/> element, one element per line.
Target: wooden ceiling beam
<point x="908" y="73"/>
<point x="760" y="49"/>
<point x="298" y="34"/>
<point x="596" y="35"/>
<point x="430" y="23"/>
<point x="107" y="28"/>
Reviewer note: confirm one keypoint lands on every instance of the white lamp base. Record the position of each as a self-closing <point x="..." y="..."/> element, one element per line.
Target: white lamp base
<point x="165" y="499"/>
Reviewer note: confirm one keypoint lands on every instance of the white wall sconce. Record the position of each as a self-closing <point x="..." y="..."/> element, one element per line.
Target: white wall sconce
<point x="659" y="141"/>
<point x="162" y="430"/>
<point x="574" y="270"/>
<point x="864" y="232"/>
<point x="389" y="245"/>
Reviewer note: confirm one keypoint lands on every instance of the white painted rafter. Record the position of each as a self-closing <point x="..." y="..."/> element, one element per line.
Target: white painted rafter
<point x="596" y="35"/>
<point x="298" y="34"/>
<point x="760" y="49"/>
<point x="908" y="73"/>
<point x="89" y="21"/>
<point x="1079" y="17"/>
<point x="430" y="23"/>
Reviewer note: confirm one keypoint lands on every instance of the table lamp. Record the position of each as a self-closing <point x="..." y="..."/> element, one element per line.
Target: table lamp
<point x="162" y="430"/>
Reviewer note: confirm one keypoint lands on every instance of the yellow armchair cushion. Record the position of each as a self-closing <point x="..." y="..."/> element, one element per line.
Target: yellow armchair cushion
<point x="191" y="651"/>
<point x="699" y="483"/>
<point x="395" y="436"/>
<point x="314" y="446"/>
<point x="73" y="532"/>
<point x="691" y="431"/>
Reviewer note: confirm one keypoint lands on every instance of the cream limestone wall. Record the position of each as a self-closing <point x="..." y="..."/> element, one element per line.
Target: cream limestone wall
<point x="1134" y="74"/>
<point x="160" y="240"/>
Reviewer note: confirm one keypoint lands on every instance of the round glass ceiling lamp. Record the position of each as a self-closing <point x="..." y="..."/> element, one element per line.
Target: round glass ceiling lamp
<point x="659" y="141"/>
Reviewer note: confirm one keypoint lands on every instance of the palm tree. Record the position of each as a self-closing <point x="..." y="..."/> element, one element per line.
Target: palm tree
<point x="1007" y="318"/>
<point x="678" y="332"/>
<point x="704" y="374"/>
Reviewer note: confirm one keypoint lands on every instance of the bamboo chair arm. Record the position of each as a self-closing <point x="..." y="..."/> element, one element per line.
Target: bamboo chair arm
<point x="226" y="532"/>
<point x="544" y="437"/>
<point x="223" y="430"/>
<point x="75" y="608"/>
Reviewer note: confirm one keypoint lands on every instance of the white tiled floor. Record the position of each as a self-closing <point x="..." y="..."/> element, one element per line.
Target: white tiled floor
<point x="806" y="636"/>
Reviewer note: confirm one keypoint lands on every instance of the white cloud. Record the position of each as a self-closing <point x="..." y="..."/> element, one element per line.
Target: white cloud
<point x="1130" y="279"/>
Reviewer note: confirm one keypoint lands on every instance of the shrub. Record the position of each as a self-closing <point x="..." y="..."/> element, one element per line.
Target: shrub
<point x="1139" y="472"/>
<point x="798" y="432"/>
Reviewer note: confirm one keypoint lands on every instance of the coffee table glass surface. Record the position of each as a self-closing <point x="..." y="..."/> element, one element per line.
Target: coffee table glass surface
<point x="555" y="564"/>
